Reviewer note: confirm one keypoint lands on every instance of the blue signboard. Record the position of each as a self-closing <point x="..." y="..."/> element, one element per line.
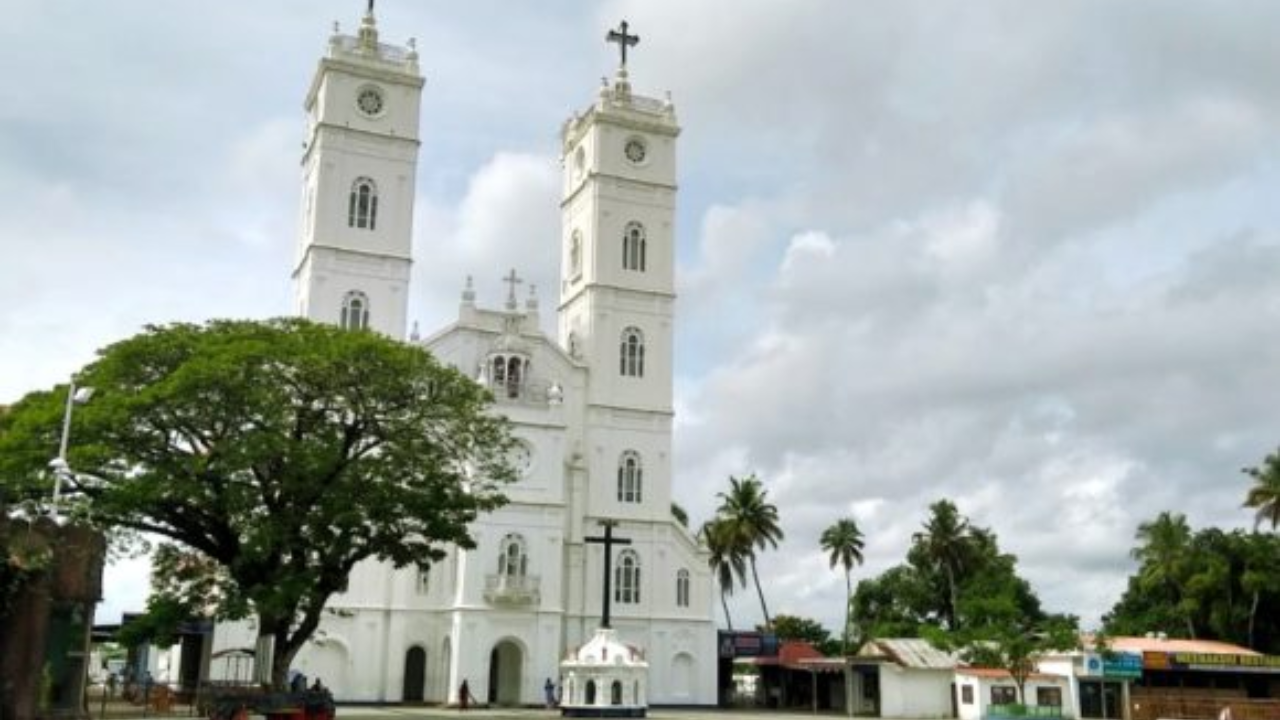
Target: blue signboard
<point x="1118" y="665"/>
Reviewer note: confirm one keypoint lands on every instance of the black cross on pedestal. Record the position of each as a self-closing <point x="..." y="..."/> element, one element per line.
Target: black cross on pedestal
<point x="608" y="541"/>
<point x="624" y="40"/>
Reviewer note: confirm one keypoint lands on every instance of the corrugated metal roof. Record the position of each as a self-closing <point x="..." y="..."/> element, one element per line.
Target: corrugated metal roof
<point x="910" y="653"/>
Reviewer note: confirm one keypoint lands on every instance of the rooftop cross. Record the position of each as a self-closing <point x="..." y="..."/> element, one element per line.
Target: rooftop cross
<point x="624" y="40"/>
<point x="512" y="280"/>
<point x="608" y="541"/>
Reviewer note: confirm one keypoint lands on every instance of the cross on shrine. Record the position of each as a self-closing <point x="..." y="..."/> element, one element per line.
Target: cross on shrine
<point x="608" y="540"/>
<point x="624" y="40"/>
<point x="512" y="280"/>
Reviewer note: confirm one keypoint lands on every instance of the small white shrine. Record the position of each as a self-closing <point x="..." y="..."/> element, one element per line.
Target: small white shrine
<point x="604" y="678"/>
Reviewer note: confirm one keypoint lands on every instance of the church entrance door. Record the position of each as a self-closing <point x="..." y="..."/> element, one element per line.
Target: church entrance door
<point x="415" y="674"/>
<point x="504" y="674"/>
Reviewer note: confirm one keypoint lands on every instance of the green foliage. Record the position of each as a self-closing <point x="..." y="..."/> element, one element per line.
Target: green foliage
<point x="1207" y="583"/>
<point x="726" y="559"/>
<point x="1014" y="645"/>
<point x="792" y="627"/>
<point x="27" y="554"/>
<point x="750" y="524"/>
<point x="680" y="515"/>
<point x="843" y="542"/>
<point x="276" y="455"/>
<point x="955" y="580"/>
<point x="1264" y="495"/>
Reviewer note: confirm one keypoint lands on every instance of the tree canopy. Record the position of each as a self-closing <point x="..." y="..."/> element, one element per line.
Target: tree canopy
<point x="273" y="457"/>
<point x="955" y="579"/>
<point x="1206" y="583"/>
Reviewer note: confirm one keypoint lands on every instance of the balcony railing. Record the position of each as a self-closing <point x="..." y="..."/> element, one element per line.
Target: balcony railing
<point x="512" y="589"/>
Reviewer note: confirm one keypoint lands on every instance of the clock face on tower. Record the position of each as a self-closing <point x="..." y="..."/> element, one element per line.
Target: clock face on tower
<point x="635" y="150"/>
<point x="369" y="100"/>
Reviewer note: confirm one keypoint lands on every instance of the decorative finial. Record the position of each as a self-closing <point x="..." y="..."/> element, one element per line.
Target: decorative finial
<point x="531" y="304"/>
<point x="469" y="292"/>
<point x="413" y="334"/>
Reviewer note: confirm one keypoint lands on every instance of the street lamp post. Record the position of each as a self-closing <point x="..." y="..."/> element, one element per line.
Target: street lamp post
<point x="75" y="396"/>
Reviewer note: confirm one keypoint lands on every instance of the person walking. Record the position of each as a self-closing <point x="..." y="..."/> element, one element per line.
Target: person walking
<point x="464" y="695"/>
<point x="549" y="692"/>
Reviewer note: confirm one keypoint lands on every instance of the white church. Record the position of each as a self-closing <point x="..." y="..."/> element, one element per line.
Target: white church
<point x="592" y="406"/>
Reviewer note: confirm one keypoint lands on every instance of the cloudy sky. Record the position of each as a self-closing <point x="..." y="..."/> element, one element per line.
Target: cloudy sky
<point x="1024" y="256"/>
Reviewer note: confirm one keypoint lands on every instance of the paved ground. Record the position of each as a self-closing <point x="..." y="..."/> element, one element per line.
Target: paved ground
<point x="399" y="713"/>
<point x="427" y="713"/>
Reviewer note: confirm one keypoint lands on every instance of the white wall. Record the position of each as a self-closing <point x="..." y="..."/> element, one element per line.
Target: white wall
<point x="907" y="693"/>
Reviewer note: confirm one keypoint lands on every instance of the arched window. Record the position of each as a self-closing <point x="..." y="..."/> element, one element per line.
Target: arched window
<point x="615" y="693"/>
<point x="626" y="586"/>
<point x="355" y="311"/>
<point x="631" y="353"/>
<point x="362" y="207"/>
<point x="682" y="588"/>
<point x="513" y="561"/>
<point x="575" y="254"/>
<point x="591" y="692"/>
<point x="633" y="247"/>
<point x="515" y="371"/>
<point x="630" y="475"/>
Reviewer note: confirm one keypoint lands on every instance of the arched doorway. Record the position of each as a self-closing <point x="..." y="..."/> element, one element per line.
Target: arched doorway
<point x="415" y="674"/>
<point x="504" y="674"/>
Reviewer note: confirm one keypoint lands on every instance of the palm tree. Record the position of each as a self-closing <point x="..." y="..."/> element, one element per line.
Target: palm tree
<point x="1264" y="496"/>
<point x="1163" y="548"/>
<point x="726" y="560"/>
<point x="844" y="541"/>
<point x="946" y="543"/>
<point x="755" y="524"/>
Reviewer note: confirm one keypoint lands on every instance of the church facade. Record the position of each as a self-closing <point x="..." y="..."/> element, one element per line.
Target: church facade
<point x="592" y="406"/>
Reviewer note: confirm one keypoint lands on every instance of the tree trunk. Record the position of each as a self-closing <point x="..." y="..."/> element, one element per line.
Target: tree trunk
<point x="951" y="588"/>
<point x="848" y="602"/>
<point x="768" y="624"/>
<point x="725" y="604"/>
<point x="1253" y="614"/>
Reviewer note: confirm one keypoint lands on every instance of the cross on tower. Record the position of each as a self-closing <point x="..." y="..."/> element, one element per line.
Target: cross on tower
<point x="512" y="280"/>
<point x="624" y="40"/>
<point x="608" y="540"/>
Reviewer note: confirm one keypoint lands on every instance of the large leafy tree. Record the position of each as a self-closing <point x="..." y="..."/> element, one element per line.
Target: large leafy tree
<point x="955" y="579"/>
<point x="726" y="559"/>
<point x="843" y="542"/>
<point x="754" y="523"/>
<point x="277" y="454"/>
<point x="1264" y="495"/>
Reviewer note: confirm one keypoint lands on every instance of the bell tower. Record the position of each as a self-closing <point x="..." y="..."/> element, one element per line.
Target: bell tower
<point x="617" y="288"/>
<point x="359" y="166"/>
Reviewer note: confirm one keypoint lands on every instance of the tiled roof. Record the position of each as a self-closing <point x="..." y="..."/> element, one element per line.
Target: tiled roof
<point x="910" y="653"/>
<point x="1155" y="644"/>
